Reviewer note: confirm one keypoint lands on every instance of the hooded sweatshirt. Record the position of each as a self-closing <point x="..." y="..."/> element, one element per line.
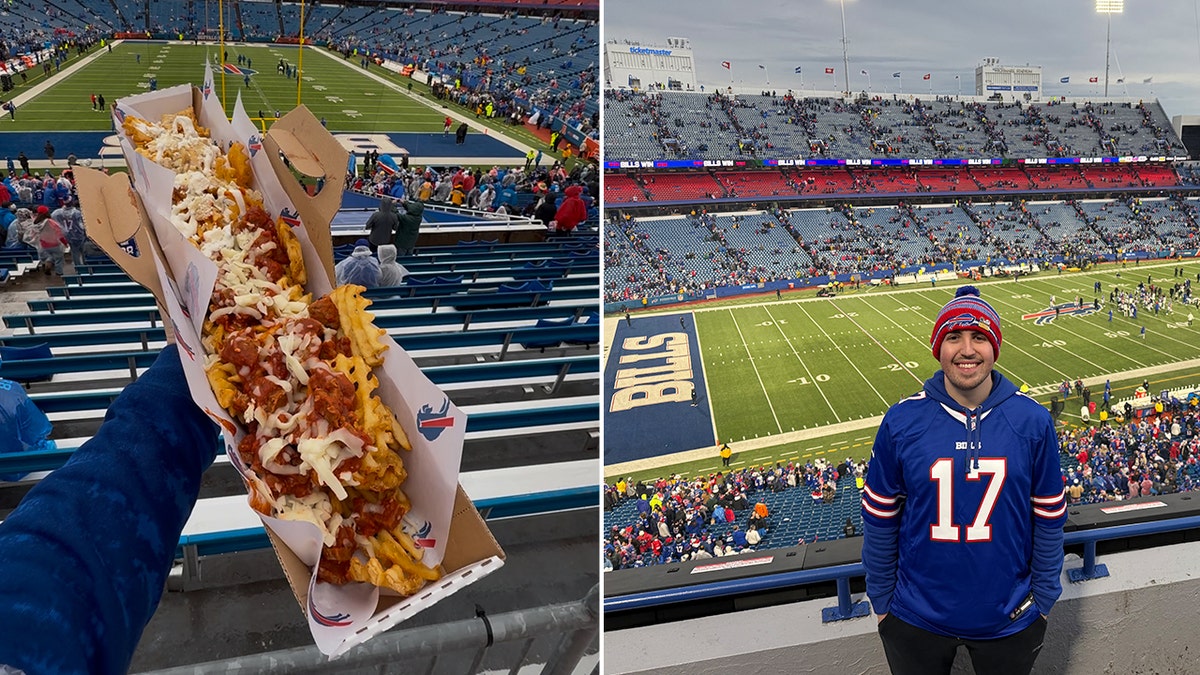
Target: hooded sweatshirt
<point x="382" y="223"/>
<point x="963" y="512"/>
<point x="410" y="225"/>
<point x="572" y="211"/>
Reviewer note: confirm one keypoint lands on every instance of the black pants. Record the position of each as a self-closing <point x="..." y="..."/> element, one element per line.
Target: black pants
<point x="914" y="651"/>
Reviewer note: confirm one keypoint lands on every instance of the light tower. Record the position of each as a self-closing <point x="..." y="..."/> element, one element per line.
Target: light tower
<point x="1108" y="7"/>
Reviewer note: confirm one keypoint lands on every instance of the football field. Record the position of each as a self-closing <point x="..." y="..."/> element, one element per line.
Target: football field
<point x="332" y="87"/>
<point x="369" y="108"/>
<point x="780" y="366"/>
<point x="787" y="379"/>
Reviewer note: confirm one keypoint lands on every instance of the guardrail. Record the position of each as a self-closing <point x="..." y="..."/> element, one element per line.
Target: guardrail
<point x="842" y="574"/>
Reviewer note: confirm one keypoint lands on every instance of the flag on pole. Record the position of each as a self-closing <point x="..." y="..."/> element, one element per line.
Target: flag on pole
<point x="725" y="65"/>
<point x="896" y="74"/>
<point x="1093" y="80"/>
<point x="829" y="71"/>
<point x="762" y="66"/>
<point x="1065" y="80"/>
<point x="928" y="75"/>
<point x="798" y="70"/>
<point x="1148" y="80"/>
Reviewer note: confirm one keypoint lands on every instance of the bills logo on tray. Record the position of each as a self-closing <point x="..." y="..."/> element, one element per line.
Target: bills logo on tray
<point x="208" y="89"/>
<point x="422" y="537"/>
<point x="119" y="114"/>
<point x="432" y="423"/>
<point x="191" y="353"/>
<point x="290" y="217"/>
<point x="254" y="145"/>
<point x="337" y="620"/>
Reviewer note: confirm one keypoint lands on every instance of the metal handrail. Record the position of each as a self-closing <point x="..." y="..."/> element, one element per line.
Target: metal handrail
<point x="575" y="622"/>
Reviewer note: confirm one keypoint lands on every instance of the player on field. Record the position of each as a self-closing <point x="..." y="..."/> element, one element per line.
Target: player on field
<point x="963" y="510"/>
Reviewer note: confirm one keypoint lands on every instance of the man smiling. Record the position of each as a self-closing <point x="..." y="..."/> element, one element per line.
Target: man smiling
<point x="963" y="510"/>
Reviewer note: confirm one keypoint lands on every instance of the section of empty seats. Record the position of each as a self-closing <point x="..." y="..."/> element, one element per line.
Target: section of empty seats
<point x="517" y="296"/>
<point x="667" y="187"/>
<point x="622" y="189"/>
<point x="548" y="371"/>
<point x="227" y="524"/>
<point x="756" y="183"/>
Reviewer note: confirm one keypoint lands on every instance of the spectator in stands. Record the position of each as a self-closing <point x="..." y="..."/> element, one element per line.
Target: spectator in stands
<point x="571" y="212"/>
<point x="51" y="243"/>
<point x="71" y="220"/>
<point x="23" y="427"/>
<point x="545" y="209"/>
<point x="20" y="230"/>
<point x="87" y="552"/>
<point x="8" y="216"/>
<point x="848" y="529"/>
<point x="391" y="273"/>
<point x="410" y="226"/>
<point x="382" y="224"/>
<point x="1005" y="572"/>
<point x="361" y="267"/>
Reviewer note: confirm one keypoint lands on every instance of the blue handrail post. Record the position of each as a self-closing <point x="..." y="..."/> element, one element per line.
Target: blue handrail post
<point x="845" y="609"/>
<point x="1090" y="569"/>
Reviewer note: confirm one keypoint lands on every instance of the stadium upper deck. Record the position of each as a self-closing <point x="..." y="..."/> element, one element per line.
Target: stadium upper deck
<point x="645" y="126"/>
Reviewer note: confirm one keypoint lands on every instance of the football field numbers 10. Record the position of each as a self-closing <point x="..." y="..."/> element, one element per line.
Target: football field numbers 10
<point x="1052" y="343"/>
<point x="820" y="377"/>
<point x="899" y="367"/>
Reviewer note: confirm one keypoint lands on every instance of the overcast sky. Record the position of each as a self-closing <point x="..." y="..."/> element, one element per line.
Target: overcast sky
<point x="1157" y="39"/>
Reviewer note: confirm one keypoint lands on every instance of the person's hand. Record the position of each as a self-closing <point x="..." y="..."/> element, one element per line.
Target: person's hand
<point x="880" y="617"/>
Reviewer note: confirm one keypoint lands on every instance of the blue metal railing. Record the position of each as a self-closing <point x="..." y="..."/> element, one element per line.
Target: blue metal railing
<point x="841" y="574"/>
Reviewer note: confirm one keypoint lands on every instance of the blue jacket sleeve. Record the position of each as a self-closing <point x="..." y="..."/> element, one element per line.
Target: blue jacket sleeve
<point x="1050" y="513"/>
<point x="882" y="504"/>
<point x="86" y="555"/>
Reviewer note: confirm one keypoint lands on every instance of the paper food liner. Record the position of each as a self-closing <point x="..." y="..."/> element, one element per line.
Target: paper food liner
<point x="434" y="425"/>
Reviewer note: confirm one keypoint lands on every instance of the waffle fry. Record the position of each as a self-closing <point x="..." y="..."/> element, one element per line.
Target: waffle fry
<point x="320" y="445"/>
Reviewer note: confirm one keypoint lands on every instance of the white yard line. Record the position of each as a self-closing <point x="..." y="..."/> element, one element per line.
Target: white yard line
<point x="887" y="351"/>
<point x="707" y="389"/>
<point x="755" y="367"/>
<point x="837" y="346"/>
<point x="805" y="365"/>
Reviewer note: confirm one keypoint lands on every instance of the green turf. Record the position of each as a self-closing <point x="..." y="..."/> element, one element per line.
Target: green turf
<point x="856" y="444"/>
<point x="335" y="89"/>
<point x="781" y="366"/>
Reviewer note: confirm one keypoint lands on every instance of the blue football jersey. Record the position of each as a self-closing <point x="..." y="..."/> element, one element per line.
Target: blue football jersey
<point x="963" y="512"/>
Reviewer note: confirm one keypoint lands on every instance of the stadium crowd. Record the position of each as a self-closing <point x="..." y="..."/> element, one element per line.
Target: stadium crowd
<point x="680" y="519"/>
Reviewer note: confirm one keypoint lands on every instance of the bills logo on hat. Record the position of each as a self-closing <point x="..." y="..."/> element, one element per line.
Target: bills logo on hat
<point x="967" y="311"/>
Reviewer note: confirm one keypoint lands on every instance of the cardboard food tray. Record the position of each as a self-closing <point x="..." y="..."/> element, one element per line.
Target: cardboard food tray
<point x="128" y="217"/>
